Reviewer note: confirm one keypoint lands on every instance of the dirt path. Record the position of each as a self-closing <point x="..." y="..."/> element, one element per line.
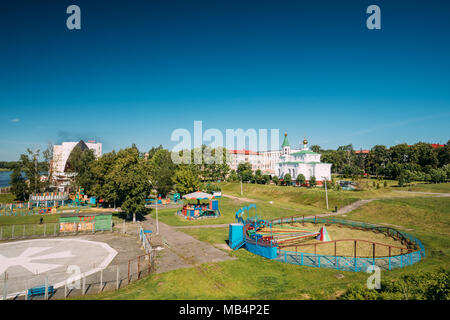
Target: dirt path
<point x="180" y="250"/>
<point x="239" y="198"/>
<point x="437" y="194"/>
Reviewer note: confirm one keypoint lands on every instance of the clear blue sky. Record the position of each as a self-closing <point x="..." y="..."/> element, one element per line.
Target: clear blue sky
<point x="137" y="70"/>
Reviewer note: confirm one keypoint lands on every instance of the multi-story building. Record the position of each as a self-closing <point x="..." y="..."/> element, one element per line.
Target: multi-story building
<point x="61" y="154"/>
<point x="280" y="162"/>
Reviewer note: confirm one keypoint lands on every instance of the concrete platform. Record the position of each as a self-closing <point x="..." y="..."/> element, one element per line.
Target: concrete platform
<point x="27" y="263"/>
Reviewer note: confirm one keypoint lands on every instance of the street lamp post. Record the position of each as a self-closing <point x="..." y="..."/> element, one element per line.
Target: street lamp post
<point x="156" y="207"/>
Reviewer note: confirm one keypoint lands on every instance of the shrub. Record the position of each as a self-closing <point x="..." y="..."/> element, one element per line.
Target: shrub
<point x="434" y="285"/>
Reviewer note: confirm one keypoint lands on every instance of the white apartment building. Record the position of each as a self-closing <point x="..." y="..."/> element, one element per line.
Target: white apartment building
<point x="287" y="160"/>
<point x="61" y="154"/>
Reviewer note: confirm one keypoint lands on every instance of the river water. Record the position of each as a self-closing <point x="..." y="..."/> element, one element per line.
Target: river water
<point x="4" y="178"/>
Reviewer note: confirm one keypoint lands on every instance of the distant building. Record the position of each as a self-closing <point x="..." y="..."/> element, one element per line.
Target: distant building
<point x="280" y="162"/>
<point x="61" y="153"/>
<point x="304" y="162"/>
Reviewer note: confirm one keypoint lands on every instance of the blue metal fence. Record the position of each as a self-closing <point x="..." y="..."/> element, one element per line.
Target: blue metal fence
<point x="351" y="263"/>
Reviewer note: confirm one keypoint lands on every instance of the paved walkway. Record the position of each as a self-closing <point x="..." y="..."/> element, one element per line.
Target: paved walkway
<point x="181" y="250"/>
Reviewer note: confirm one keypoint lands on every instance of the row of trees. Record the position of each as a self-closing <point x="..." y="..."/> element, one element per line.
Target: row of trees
<point x="123" y="178"/>
<point x="403" y="162"/>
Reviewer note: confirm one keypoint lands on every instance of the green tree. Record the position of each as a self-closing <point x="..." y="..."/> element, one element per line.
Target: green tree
<point x="265" y="179"/>
<point x="233" y="177"/>
<point x="18" y="185"/>
<point x="244" y="171"/>
<point x="275" y="180"/>
<point x="79" y="162"/>
<point x="162" y="169"/>
<point x="301" y="180"/>
<point x="438" y="175"/>
<point x="287" y="179"/>
<point x="258" y="178"/>
<point x="153" y="151"/>
<point x="29" y="164"/>
<point x="130" y="181"/>
<point x="102" y="187"/>
<point x="312" y="181"/>
<point x="315" y="148"/>
<point x="186" y="179"/>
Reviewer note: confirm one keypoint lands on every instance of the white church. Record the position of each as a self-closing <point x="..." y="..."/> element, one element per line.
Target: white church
<point x="304" y="162"/>
<point x="287" y="160"/>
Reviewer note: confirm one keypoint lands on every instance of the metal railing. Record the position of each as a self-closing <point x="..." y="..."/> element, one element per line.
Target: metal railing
<point x="32" y="230"/>
<point x="354" y="263"/>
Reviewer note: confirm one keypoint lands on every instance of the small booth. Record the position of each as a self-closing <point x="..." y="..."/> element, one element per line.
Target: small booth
<point x="74" y="222"/>
<point x="209" y="209"/>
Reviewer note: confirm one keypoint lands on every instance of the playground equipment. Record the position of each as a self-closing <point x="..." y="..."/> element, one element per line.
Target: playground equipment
<point x="39" y="203"/>
<point x="172" y="198"/>
<point x="283" y="240"/>
<point x="78" y="198"/>
<point x="200" y="210"/>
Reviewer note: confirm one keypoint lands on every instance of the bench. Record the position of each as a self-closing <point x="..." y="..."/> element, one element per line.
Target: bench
<point x="40" y="291"/>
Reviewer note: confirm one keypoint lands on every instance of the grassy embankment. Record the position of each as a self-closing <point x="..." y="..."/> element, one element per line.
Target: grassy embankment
<point x="253" y="277"/>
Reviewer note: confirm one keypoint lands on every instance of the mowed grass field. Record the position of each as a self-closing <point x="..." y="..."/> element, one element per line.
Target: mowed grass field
<point x="313" y="197"/>
<point x="429" y="187"/>
<point x="228" y="208"/>
<point x="253" y="277"/>
<point x="278" y="201"/>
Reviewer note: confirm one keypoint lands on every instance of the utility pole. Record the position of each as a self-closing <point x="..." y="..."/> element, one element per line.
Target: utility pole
<point x="156" y="207"/>
<point x="326" y="191"/>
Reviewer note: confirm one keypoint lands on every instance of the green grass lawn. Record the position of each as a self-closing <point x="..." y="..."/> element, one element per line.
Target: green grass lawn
<point x="428" y="219"/>
<point x="6" y="198"/>
<point x="254" y="277"/>
<point x="314" y="197"/>
<point x="429" y="187"/>
<point x="228" y="208"/>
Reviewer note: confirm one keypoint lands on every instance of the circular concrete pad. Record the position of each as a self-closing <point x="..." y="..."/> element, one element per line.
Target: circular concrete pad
<point x="27" y="263"/>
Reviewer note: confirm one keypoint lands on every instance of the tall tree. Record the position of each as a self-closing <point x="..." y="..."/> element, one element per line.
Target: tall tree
<point x="130" y="181"/>
<point x="161" y="171"/>
<point x="186" y="179"/>
<point x="18" y="185"/>
<point x="79" y="162"/>
<point x="244" y="171"/>
<point x="29" y="164"/>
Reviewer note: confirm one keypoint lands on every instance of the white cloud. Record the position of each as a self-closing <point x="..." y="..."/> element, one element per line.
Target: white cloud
<point x="15" y="120"/>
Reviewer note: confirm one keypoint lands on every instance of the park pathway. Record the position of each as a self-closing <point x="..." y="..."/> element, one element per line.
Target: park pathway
<point x="181" y="250"/>
<point x="436" y="194"/>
